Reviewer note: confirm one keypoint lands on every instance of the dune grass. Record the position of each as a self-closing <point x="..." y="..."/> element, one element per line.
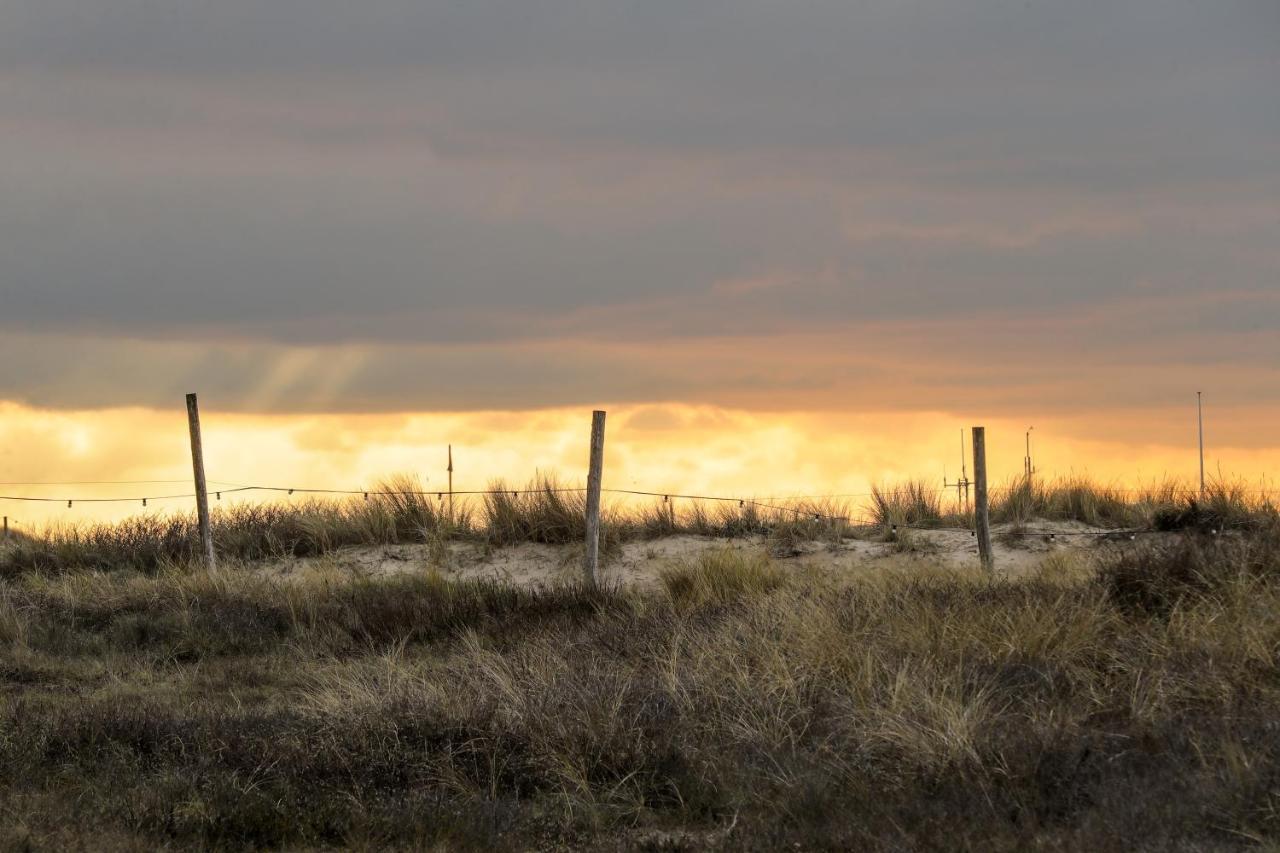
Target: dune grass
<point x="1067" y="499"/>
<point x="914" y="502"/>
<point x="1163" y="506"/>
<point x="721" y="577"/>
<point x="546" y="511"/>
<point x="396" y="511"/>
<point x="738" y="706"/>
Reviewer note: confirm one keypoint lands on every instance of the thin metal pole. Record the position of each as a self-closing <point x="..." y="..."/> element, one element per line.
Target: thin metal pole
<point x="1030" y="468"/>
<point x="595" y="473"/>
<point x="1200" y="418"/>
<point x="981" y="511"/>
<point x="451" y="485"/>
<point x="202" y="488"/>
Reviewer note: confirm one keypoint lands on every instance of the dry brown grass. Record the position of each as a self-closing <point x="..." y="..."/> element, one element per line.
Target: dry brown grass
<point x="915" y="502"/>
<point x="743" y="705"/>
<point x="396" y="511"/>
<point x="1164" y="506"/>
<point x="546" y="511"/>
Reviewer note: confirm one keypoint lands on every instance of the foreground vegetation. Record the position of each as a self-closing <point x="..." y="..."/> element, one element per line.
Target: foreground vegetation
<point x="544" y="511"/>
<point x="1123" y="704"/>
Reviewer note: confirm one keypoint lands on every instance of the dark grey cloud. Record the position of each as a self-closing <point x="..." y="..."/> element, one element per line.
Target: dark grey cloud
<point x="987" y="78"/>
<point x="307" y="173"/>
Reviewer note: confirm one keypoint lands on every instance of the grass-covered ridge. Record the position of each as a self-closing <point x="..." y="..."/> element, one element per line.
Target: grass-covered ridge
<point x="544" y="511"/>
<point x="741" y="705"/>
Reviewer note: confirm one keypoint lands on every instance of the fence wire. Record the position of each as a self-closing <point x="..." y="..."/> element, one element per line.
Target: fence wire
<point x="772" y="504"/>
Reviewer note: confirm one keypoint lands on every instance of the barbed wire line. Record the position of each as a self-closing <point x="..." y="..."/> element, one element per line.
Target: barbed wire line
<point x="228" y="487"/>
<point x="111" y="483"/>
<point x="238" y="487"/>
<point x="141" y="498"/>
<point x="290" y="490"/>
<point x="284" y="490"/>
<point x="769" y="503"/>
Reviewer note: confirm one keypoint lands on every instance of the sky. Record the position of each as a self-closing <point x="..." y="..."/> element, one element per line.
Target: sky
<point x="803" y="231"/>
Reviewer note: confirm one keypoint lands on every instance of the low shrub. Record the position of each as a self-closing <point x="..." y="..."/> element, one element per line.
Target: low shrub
<point x="1155" y="578"/>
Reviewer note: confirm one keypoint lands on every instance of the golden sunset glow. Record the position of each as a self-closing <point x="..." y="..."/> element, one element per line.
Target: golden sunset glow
<point x="666" y="448"/>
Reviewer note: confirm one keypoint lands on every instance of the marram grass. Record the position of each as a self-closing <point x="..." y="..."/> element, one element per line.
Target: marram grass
<point x="544" y="512"/>
<point x="740" y="705"/>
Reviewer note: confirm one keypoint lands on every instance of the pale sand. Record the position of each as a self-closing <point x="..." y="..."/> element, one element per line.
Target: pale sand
<point x="639" y="563"/>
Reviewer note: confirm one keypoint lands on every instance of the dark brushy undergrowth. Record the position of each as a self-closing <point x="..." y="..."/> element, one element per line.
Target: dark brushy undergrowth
<point x="743" y="704"/>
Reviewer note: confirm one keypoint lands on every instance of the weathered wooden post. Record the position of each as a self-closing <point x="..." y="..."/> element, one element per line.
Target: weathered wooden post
<point x="595" y="473"/>
<point x="981" y="509"/>
<point x="202" y="490"/>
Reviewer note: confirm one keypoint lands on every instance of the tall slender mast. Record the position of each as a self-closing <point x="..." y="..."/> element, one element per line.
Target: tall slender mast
<point x="1200" y="418"/>
<point x="1027" y="462"/>
<point x="451" y="484"/>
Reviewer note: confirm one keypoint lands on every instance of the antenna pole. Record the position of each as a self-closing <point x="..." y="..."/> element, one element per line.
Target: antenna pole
<point x="1027" y="462"/>
<point x="962" y="485"/>
<point x="1200" y="418"/>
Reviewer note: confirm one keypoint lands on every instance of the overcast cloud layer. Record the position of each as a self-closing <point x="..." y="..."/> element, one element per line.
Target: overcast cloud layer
<point x="313" y="204"/>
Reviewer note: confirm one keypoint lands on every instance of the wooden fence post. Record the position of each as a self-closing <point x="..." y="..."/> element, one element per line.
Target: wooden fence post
<point x="595" y="473"/>
<point x="6" y="528"/>
<point x="981" y="509"/>
<point x="202" y="488"/>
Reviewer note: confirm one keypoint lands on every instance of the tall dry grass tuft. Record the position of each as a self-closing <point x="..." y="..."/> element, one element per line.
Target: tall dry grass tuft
<point x="720" y="576"/>
<point x="400" y="510"/>
<point x="914" y="502"/>
<point x="1164" y="506"/>
<point x="1225" y="505"/>
<point x="1066" y="499"/>
<point x="544" y="511"/>
<point x="658" y="520"/>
